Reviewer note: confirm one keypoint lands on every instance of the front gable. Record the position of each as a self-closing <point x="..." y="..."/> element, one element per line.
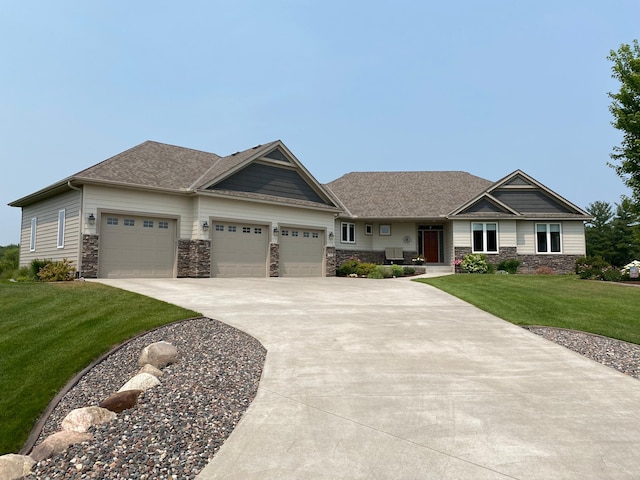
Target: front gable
<point x="520" y="195"/>
<point x="270" y="170"/>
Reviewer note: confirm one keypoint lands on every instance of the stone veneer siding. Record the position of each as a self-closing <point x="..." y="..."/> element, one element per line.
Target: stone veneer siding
<point x="330" y="261"/>
<point x="194" y="258"/>
<point x="274" y="260"/>
<point x="90" y="249"/>
<point x="528" y="263"/>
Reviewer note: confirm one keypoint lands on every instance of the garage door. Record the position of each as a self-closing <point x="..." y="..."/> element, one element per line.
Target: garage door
<point x="136" y="247"/>
<point x="239" y="249"/>
<point x="301" y="252"/>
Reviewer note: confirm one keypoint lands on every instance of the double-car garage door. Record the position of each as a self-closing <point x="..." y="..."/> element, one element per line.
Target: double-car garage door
<point x="242" y="250"/>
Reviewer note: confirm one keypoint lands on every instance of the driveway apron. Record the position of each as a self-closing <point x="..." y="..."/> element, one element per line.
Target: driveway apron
<point x="392" y="379"/>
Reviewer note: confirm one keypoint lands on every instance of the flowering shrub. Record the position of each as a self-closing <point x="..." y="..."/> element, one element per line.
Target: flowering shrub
<point x="590" y="268"/>
<point x="626" y="270"/>
<point x="419" y="260"/>
<point x="475" y="263"/>
<point x="61" y="271"/>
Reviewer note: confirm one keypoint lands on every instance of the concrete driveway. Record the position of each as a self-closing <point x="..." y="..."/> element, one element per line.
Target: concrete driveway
<point x="390" y="379"/>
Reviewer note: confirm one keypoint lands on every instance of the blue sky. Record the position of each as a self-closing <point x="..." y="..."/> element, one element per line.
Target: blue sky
<point x="481" y="86"/>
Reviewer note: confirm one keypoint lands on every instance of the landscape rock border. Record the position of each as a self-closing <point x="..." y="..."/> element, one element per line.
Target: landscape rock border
<point x="74" y="427"/>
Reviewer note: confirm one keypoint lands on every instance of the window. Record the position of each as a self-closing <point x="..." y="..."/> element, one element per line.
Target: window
<point x="548" y="238"/>
<point x="61" y="228"/>
<point x="485" y="237"/>
<point x="246" y="229"/>
<point x="231" y="228"/>
<point x="285" y="233"/>
<point x="163" y="225"/>
<point x="306" y="234"/>
<point x="385" y="229"/>
<point x="219" y="227"/>
<point x="368" y="229"/>
<point x="294" y="233"/>
<point x="32" y="239"/>
<point x="129" y="222"/>
<point x="112" y="221"/>
<point x="348" y="232"/>
<point x="257" y="231"/>
<point x="315" y="235"/>
<point x="147" y="224"/>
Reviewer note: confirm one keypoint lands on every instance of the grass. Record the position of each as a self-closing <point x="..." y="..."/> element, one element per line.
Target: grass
<point x="562" y="301"/>
<point x="51" y="331"/>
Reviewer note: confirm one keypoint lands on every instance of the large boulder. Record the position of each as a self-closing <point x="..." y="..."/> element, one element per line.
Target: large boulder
<point x="148" y="368"/>
<point x="80" y="419"/>
<point x="118" y="402"/>
<point x="14" y="466"/>
<point x="142" y="381"/>
<point x="159" y="354"/>
<point x="58" y="443"/>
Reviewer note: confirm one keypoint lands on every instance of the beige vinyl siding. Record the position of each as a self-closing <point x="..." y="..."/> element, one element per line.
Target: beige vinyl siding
<point x="262" y="213"/>
<point x="507" y="235"/>
<point x="448" y="243"/>
<point x="363" y="241"/>
<point x="46" y="213"/>
<point x="98" y="199"/>
<point x="396" y="239"/>
<point x="573" y="241"/>
<point x="462" y="233"/>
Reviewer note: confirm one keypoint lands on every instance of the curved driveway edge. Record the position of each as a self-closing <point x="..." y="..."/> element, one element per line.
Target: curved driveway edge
<point x="392" y="379"/>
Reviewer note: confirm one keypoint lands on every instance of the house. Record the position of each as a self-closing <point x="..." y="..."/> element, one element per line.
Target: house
<point x="159" y="210"/>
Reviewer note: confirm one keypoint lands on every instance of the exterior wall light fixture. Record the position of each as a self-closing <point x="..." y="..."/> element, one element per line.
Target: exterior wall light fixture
<point x="205" y="225"/>
<point x="91" y="219"/>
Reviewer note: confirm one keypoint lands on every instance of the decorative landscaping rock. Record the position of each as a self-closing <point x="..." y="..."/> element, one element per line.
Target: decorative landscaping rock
<point x="159" y="354"/>
<point x="121" y="401"/>
<point x="148" y="368"/>
<point x="58" y="443"/>
<point x="142" y="381"/>
<point x="80" y="419"/>
<point x="14" y="466"/>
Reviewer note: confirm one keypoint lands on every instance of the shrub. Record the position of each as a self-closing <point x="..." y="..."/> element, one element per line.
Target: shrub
<point x="36" y="266"/>
<point x="377" y="273"/>
<point x="397" y="270"/>
<point x="544" y="270"/>
<point x="611" y="274"/>
<point x="364" y="269"/>
<point x="409" y="270"/>
<point x="384" y="270"/>
<point x="60" y="271"/>
<point x="510" y="265"/>
<point x="590" y="268"/>
<point x="475" y="263"/>
<point x="348" y="267"/>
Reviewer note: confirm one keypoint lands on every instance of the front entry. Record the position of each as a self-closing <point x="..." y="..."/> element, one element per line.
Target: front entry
<point x="430" y="246"/>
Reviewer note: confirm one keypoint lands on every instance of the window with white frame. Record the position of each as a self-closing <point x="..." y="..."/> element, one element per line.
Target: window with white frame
<point x="484" y="237"/>
<point x="348" y="233"/>
<point x="61" y="228"/>
<point x="548" y="238"/>
<point x="32" y="238"/>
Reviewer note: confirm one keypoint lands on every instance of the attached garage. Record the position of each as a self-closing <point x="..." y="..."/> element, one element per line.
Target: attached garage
<point x="136" y="247"/>
<point x="301" y="252"/>
<point x="239" y="249"/>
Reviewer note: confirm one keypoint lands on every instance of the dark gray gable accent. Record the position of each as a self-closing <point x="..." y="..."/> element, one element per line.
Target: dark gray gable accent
<point x="484" y="205"/>
<point x="277" y="154"/>
<point x="518" y="180"/>
<point x="530" y="201"/>
<point x="270" y="180"/>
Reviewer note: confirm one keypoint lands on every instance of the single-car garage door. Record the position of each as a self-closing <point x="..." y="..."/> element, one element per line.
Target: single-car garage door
<point x="136" y="247"/>
<point x="301" y="252"/>
<point x="239" y="249"/>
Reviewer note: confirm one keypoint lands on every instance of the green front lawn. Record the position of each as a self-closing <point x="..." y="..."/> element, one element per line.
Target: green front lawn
<point x="562" y="301"/>
<point x="51" y="331"/>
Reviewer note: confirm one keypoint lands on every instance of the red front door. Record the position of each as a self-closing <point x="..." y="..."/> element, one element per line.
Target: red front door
<point x="430" y="246"/>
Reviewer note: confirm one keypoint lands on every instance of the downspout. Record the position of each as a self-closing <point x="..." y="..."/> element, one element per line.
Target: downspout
<point x="80" y="230"/>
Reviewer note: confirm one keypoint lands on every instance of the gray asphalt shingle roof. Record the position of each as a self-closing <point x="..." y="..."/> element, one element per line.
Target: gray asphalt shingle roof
<point x="406" y="194"/>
